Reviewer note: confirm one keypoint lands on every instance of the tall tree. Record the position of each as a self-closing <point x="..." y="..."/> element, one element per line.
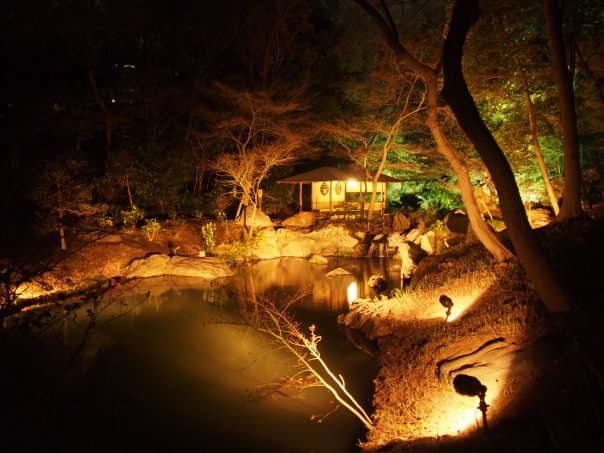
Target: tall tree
<point x="553" y="293"/>
<point x="430" y="77"/>
<point x="571" y="205"/>
<point x="535" y="139"/>
<point x="255" y="133"/>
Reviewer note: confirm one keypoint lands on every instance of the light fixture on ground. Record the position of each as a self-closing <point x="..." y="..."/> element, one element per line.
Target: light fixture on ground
<point x="471" y="386"/>
<point x="446" y="302"/>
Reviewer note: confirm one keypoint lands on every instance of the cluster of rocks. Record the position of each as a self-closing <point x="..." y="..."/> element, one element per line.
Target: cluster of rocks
<point x="284" y="242"/>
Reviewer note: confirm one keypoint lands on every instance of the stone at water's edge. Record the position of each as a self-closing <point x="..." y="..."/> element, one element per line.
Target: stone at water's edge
<point x="338" y="272"/>
<point x="362" y="317"/>
<point x="330" y="241"/>
<point x="318" y="259"/>
<point x="159" y="264"/>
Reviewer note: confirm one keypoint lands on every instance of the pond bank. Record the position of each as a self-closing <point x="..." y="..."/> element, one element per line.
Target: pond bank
<point x="413" y="401"/>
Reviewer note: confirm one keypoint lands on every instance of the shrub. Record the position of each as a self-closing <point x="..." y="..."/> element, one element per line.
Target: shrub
<point x="132" y="216"/>
<point x="208" y="235"/>
<point x="151" y="227"/>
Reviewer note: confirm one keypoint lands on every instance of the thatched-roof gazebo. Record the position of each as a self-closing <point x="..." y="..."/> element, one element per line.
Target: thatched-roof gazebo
<point x="331" y="186"/>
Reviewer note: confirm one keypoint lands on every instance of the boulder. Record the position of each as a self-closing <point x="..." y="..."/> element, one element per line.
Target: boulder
<point x="265" y="251"/>
<point x="300" y="247"/>
<point x="457" y="223"/>
<point x="338" y="272"/>
<point x="538" y="217"/>
<point x="414" y="235"/>
<point x="318" y="259"/>
<point x="159" y="264"/>
<point x="301" y="220"/>
<point x="333" y="235"/>
<point x="400" y="222"/>
<point x="377" y="281"/>
<point x="187" y="266"/>
<point x="499" y="360"/>
<point x="261" y="220"/>
<point x="411" y="255"/>
<point x="428" y="243"/>
<point x="151" y="266"/>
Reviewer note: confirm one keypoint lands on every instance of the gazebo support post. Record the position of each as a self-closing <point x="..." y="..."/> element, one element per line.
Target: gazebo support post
<point x="300" y="197"/>
<point x="330" y="199"/>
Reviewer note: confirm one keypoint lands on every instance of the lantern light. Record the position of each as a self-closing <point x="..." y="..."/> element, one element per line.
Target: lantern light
<point x="324" y="189"/>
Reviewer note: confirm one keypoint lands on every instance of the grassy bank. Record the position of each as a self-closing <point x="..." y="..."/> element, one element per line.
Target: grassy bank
<point x="546" y="396"/>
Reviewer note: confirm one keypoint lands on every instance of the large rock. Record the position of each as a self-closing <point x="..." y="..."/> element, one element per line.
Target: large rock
<point x="338" y="272"/>
<point x="538" y="217"/>
<point x="457" y="223"/>
<point x="411" y="255"/>
<point x="300" y="220"/>
<point x="261" y="220"/>
<point x="498" y="361"/>
<point x="159" y="264"/>
<point x="300" y="248"/>
<point x="333" y="235"/>
<point x="265" y="252"/>
<point x="428" y="243"/>
<point x="400" y="222"/>
<point x="318" y="259"/>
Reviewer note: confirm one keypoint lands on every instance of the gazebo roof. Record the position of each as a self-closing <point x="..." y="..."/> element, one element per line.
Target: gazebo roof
<point x="333" y="174"/>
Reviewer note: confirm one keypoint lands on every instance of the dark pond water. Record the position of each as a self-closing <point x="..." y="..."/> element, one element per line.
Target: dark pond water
<point x="178" y="370"/>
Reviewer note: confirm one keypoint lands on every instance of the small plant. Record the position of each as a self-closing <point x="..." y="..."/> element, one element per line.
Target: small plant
<point x="235" y="251"/>
<point x="151" y="227"/>
<point x="439" y="227"/>
<point x="104" y="223"/>
<point x="132" y="216"/>
<point x="220" y="216"/>
<point x="208" y="235"/>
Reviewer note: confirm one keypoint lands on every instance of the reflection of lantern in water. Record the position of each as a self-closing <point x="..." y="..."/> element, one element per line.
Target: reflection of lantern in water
<point x="338" y="188"/>
<point x="324" y="188"/>
<point x="352" y="292"/>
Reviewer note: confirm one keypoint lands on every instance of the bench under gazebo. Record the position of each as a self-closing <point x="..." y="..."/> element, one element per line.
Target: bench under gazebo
<point x="336" y="190"/>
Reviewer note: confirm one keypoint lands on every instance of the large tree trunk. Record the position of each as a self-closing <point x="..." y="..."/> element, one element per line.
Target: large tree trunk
<point x="530" y="253"/>
<point x="484" y="234"/>
<point x="571" y="204"/>
<point x="535" y="140"/>
<point x="374" y="180"/>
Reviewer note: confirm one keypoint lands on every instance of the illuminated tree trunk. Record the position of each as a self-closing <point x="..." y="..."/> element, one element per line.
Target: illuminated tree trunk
<point x="553" y="294"/>
<point x="535" y="140"/>
<point x="374" y="180"/>
<point x="571" y="204"/>
<point x="62" y="232"/>
<point x="484" y="234"/>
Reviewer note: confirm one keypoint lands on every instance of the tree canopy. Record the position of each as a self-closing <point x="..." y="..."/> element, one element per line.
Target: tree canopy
<point x="129" y="90"/>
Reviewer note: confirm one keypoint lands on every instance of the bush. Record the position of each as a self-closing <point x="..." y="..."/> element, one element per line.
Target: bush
<point x="208" y="235"/>
<point x="151" y="227"/>
<point x="131" y="217"/>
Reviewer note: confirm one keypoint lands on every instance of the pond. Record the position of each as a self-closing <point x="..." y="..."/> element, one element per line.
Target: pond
<point x="170" y="366"/>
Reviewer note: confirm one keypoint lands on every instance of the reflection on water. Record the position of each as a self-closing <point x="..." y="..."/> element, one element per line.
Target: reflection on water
<point x="175" y="368"/>
<point x="326" y="293"/>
